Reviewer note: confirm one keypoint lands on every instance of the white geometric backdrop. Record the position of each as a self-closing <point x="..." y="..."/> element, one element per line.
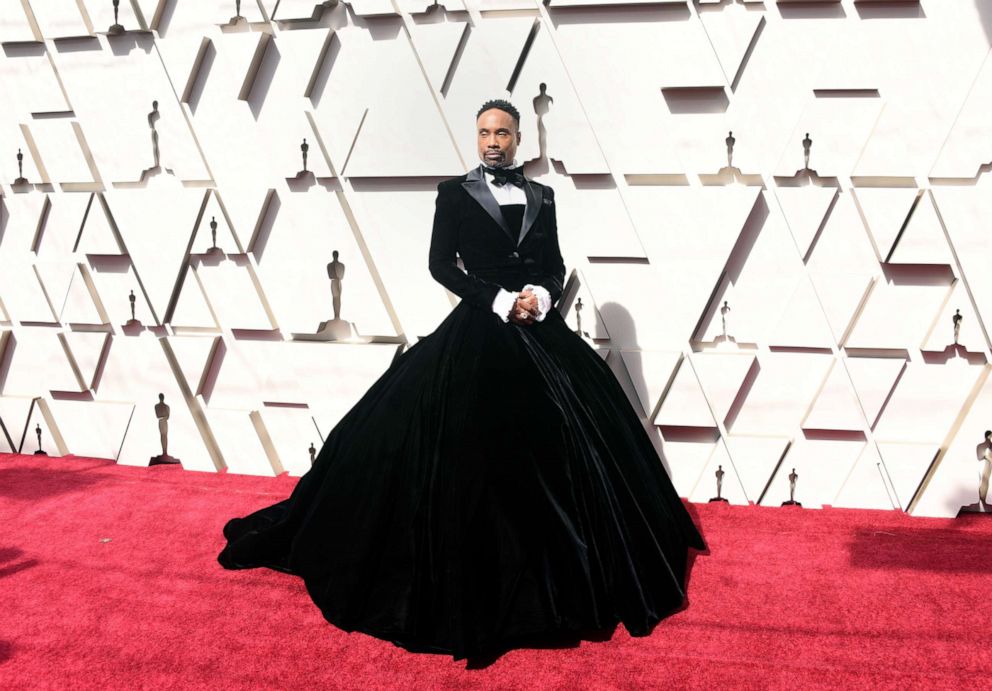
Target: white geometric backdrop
<point x="837" y="358"/>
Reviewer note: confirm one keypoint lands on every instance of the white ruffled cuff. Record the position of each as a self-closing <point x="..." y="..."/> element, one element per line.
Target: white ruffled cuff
<point x="543" y="300"/>
<point x="503" y="303"/>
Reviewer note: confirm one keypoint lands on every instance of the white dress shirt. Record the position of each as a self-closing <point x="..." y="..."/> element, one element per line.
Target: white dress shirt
<point x="505" y="299"/>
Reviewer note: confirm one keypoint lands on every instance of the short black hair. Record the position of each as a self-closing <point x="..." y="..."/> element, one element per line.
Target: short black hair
<point x="503" y="105"/>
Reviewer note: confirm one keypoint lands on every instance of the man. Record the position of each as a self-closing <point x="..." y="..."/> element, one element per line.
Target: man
<point x="469" y="218"/>
<point x="422" y="520"/>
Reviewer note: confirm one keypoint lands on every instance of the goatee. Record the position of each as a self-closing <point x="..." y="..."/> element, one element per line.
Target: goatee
<point x="504" y="163"/>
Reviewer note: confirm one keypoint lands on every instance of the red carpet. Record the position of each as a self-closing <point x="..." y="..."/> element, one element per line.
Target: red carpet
<point x="108" y="579"/>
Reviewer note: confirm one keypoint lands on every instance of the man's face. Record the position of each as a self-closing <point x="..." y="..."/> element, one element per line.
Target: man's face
<point x="498" y="137"/>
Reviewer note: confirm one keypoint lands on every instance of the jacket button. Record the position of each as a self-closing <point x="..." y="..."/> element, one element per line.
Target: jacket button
<point x="515" y="254"/>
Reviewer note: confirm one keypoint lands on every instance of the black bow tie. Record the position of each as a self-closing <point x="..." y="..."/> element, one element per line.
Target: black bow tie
<point x="501" y="176"/>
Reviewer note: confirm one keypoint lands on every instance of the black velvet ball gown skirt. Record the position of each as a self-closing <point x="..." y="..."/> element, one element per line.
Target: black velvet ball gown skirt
<point x="493" y="485"/>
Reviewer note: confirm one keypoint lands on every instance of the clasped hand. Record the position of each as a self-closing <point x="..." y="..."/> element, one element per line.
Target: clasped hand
<point x="525" y="308"/>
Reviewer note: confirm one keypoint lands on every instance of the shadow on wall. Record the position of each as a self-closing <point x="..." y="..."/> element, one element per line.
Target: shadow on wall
<point x="908" y="9"/>
<point x="621" y="321"/>
<point x="985" y="16"/>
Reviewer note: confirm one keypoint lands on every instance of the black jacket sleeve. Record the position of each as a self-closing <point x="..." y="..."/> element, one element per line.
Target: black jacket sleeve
<point x="553" y="276"/>
<point x="441" y="258"/>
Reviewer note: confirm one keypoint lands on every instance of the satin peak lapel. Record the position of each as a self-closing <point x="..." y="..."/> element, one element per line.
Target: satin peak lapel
<point x="475" y="184"/>
<point x="533" y="193"/>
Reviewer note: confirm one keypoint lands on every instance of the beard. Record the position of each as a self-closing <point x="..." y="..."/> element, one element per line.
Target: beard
<point x="504" y="163"/>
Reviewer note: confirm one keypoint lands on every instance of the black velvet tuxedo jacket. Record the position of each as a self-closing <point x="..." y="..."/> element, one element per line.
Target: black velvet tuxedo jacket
<point x="467" y="220"/>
